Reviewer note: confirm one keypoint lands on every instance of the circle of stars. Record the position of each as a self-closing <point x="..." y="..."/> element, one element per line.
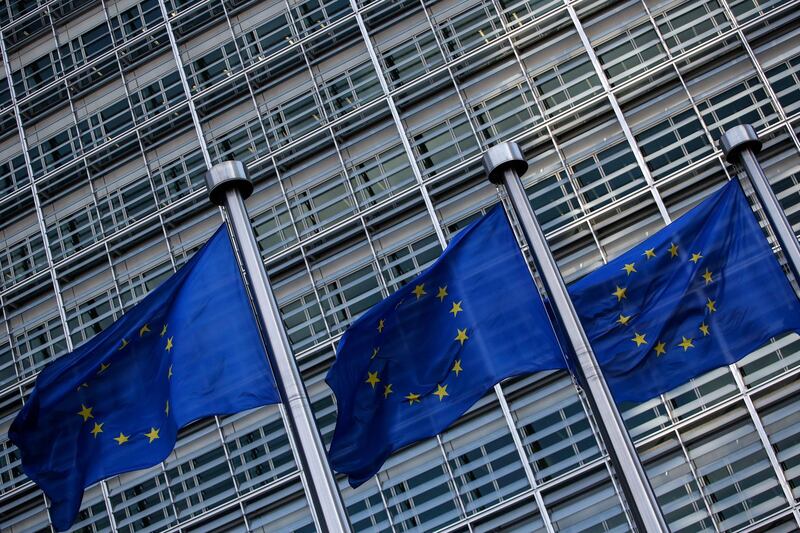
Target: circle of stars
<point x="462" y="336"/>
<point x="87" y="411"/>
<point x="621" y="293"/>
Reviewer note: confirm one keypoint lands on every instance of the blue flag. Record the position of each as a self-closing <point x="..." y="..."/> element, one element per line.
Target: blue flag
<point x="190" y="349"/>
<point x="415" y="362"/>
<point x="700" y="294"/>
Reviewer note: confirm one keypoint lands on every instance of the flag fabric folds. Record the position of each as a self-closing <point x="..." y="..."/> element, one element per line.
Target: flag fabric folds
<point x="415" y="362"/>
<point x="700" y="294"/>
<point x="188" y="350"/>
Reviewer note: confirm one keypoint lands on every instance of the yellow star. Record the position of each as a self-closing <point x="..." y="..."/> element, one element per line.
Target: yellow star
<point x="673" y="250"/>
<point x="686" y="343"/>
<point x="169" y="343"/>
<point x="650" y="253"/>
<point x="462" y="336"/>
<point x="623" y="319"/>
<point x="456" y="309"/>
<point x="412" y="397"/>
<point x="82" y="386"/>
<point x="375" y="352"/>
<point x="442" y="293"/>
<point x="387" y="390"/>
<point x="169" y="372"/>
<point x="164" y="330"/>
<point x="457" y="367"/>
<point x="85" y="412"/>
<point x="103" y="368"/>
<point x="705" y="329"/>
<point x="639" y="339"/>
<point x="166" y="409"/>
<point x="620" y="293"/>
<point x="711" y="305"/>
<point x="660" y="348"/>
<point x="152" y="435"/>
<point x="419" y="290"/>
<point x="98" y="428"/>
<point x="441" y="392"/>
<point x="122" y="439"/>
<point x="372" y="378"/>
<point x="708" y="276"/>
<point x="380" y="325"/>
<point x="144" y="329"/>
<point x="629" y="268"/>
<point x="123" y="343"/>
<point x="695" y="257"/>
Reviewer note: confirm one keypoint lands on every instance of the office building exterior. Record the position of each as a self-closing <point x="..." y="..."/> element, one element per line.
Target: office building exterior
<point x="362" y="124"/>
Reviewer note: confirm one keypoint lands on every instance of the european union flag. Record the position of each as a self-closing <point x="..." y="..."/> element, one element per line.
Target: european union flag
<point x="415" y="362"/>
<point x="190" y="349"/>
<point x="700" y="294"/>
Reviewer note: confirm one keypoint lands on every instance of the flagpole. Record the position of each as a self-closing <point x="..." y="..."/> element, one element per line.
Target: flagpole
<point x="740" y="145"/>
<point x="228" y="186"/>
<point x="504" y="164"/>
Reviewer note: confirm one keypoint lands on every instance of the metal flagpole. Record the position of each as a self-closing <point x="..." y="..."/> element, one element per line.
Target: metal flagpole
<point x="740" y="145"/>
<point x="504" y="164"/>
<point x="228" y="185"/>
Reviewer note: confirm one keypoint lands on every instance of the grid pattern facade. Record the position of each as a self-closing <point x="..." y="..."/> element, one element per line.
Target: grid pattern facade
<point x="362" y="123"/>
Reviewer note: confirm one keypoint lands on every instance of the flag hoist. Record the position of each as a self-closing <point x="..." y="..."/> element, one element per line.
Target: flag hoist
<point x="228" y="186"/>
<point x="504" y="164"/>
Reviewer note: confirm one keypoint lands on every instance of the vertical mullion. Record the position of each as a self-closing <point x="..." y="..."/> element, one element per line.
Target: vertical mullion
<point x="451" y="476"/>
<point x="612" y="99"/>
<point x="755" y="418"/>
<point x="523" y="456"/>
<point x="184" y="82"/>
<point x="398" y="124"/>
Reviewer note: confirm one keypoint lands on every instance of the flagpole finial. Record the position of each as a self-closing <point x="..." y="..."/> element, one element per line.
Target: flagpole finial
<point x="225" y="176"/>
<point x="738" y="138"/>
<point x="500" y="157"/>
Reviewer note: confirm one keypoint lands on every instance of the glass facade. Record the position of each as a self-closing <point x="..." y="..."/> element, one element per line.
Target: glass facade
<point x="362" y="123"/>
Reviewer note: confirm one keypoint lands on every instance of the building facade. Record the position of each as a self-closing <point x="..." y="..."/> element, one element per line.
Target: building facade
<point x="362" y="124"/>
